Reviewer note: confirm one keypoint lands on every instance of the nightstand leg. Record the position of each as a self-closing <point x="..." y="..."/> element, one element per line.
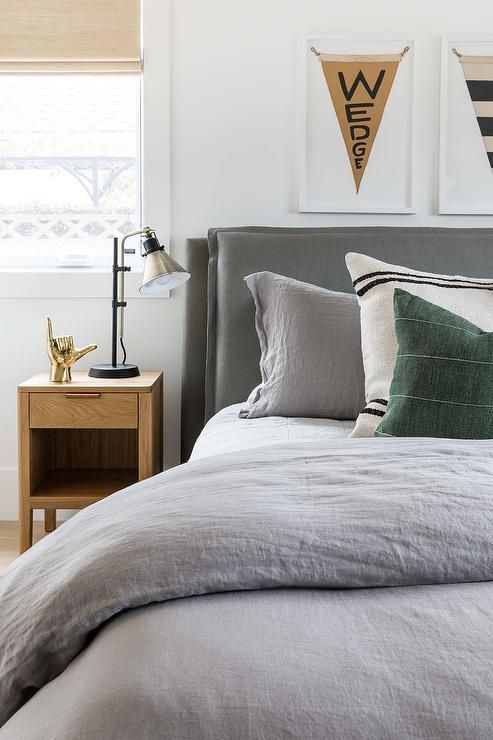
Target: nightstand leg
<point x="25" y="527"/>
<point x="50" y="520"/>
<point x="150" y="431"/>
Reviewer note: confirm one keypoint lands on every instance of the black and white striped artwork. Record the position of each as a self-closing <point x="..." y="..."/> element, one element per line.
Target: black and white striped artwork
<point x="478" y="73"/>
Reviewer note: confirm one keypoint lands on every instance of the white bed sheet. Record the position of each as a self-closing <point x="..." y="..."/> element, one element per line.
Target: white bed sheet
<point x="226" y="432"/>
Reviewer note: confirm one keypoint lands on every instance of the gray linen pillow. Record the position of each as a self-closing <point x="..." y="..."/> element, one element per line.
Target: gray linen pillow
<point x="311" y="363"/>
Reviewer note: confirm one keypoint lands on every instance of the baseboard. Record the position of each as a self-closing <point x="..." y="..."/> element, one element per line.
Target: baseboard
<point x="8" y="496"/>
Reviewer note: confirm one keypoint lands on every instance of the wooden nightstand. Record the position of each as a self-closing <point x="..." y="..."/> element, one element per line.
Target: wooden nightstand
<point x="81" y="441"/>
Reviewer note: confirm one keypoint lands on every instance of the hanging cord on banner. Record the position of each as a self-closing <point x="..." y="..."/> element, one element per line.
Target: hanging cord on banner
<point x="454" y="51"/>
<point x="403" y="52"/>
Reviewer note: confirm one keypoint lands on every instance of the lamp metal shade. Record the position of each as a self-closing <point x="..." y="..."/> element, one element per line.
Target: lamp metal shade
<point x="161" y="273"/>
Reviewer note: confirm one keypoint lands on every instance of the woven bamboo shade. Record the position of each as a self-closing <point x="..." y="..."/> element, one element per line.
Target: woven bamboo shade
<point x="74" y="36"/>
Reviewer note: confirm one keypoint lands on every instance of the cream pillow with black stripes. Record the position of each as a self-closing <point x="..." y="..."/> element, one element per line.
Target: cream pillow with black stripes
<point x="374" y="282"/>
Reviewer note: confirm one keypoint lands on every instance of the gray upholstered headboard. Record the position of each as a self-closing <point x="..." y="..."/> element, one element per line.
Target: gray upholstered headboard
<point x="221" y="348"/>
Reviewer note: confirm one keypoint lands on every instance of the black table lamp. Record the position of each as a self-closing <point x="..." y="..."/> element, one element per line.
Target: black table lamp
<point x="161" y="273"/>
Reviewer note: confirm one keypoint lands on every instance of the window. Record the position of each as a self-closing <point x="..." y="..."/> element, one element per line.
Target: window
<point x="70" y="75"/>
<point x="69" y="174"/>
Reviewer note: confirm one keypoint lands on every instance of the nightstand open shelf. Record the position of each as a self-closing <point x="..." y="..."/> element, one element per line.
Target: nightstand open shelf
<point x="76" y="488"/>
<point x="82" y="441"/>
<point x="76" y="467"/>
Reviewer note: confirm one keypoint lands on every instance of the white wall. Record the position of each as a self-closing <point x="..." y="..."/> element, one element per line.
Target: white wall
<point x="233" y="71"/>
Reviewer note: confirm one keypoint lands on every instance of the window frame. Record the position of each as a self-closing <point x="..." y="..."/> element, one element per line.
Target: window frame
<point x="30" y="277"/>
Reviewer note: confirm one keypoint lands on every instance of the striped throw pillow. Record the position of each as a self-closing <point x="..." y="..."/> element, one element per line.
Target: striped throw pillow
<point x="374" y="282"/>
<point x="443" y="377"/>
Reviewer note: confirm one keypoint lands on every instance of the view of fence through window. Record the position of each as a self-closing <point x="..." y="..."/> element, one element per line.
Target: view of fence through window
<point x="68" y="157"/>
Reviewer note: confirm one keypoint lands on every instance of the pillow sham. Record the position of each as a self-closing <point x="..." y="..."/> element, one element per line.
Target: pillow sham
<point x="443" y="377"/>
<point x="310" y="346"/>
<point x="374" y="282"/>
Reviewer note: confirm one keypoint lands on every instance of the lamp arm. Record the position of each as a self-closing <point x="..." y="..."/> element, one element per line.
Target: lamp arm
<point x="121" y="282"/>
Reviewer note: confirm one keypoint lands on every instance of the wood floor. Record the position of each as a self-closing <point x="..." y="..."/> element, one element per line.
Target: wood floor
<point x="9" y="546"/>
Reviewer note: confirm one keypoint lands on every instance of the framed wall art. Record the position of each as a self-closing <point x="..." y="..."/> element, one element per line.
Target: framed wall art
<point x="356" y="124"/>
<point x="466" y="126"/>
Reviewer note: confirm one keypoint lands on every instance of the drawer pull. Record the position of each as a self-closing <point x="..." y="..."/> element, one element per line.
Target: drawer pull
<point x="82" y="395"/>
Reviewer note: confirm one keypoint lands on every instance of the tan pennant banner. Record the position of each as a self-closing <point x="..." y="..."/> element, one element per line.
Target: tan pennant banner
<point x="359" y="87"/>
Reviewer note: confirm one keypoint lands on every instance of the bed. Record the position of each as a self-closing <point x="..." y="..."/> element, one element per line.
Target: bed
<point x="227" y="432"/>
<point x="308" y="587"/>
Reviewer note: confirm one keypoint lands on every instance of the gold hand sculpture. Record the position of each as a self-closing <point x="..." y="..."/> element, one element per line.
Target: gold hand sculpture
<point x="63" y="354"/>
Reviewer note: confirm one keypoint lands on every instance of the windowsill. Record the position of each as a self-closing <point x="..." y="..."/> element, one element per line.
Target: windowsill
<point x="45" y="282"/>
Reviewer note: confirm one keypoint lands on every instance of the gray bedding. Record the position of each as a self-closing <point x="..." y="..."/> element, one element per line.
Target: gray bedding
<point x="369" y="613"/>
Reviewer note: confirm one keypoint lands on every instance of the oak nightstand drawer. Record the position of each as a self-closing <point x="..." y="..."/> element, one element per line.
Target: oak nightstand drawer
<point x="83" y="410"/>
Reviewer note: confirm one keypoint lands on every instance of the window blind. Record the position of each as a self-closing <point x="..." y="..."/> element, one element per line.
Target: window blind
<point x="70" y="36"/>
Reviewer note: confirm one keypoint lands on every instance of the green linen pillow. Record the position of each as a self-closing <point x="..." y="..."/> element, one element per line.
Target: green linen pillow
<point x="443" y="376"/>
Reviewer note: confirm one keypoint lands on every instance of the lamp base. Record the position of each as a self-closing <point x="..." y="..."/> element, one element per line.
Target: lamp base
<point x="114" y="371"/>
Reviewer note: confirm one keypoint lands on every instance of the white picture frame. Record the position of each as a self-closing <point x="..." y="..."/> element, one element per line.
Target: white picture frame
<point x="325" y="178"/>
<point x="465" y="181"/>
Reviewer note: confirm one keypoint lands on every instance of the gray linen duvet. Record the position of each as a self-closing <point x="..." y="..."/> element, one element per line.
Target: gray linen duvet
<point x="297" y="591"/>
